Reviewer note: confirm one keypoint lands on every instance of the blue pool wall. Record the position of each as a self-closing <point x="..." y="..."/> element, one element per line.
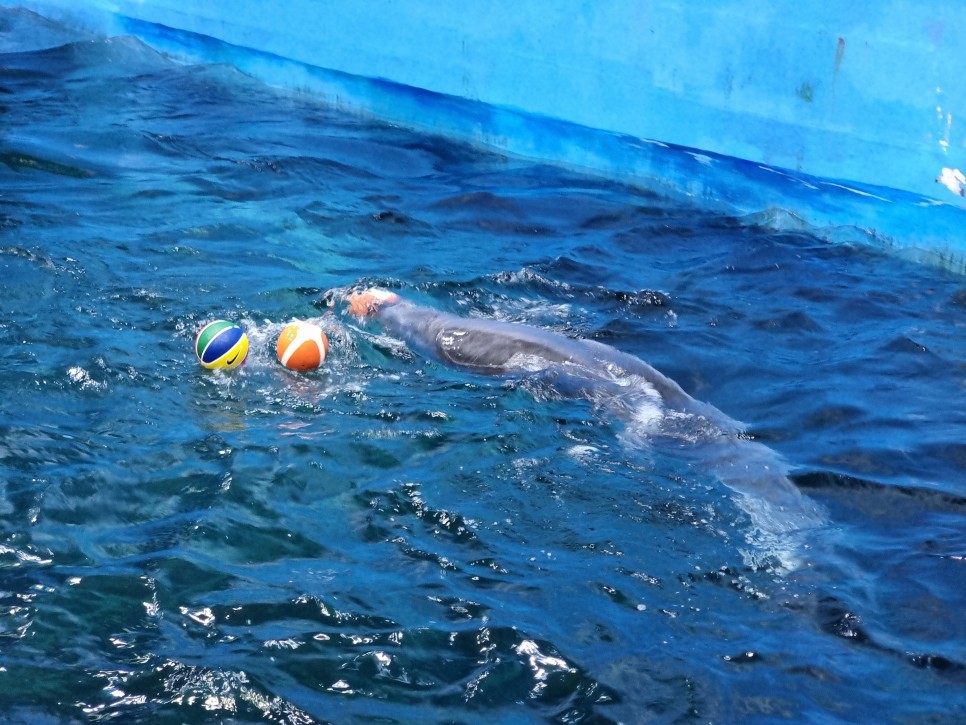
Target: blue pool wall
<point x="837" y="118"/>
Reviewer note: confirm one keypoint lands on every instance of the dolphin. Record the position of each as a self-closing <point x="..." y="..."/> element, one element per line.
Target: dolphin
<point x="653" y="407"/>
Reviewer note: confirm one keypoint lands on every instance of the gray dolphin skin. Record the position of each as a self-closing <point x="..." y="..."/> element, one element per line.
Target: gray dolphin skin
<point x="654" y="409"/>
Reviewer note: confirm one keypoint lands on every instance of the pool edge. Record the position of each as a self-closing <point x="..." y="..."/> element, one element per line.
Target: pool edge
<point x="916" y="226"/>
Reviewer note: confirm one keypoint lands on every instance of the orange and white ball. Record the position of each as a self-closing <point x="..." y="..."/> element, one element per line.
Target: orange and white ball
<point x="302" y="346"/>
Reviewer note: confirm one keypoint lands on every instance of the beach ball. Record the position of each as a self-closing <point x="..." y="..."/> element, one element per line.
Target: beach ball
<point x="221" y="345"/>
<point x="302" y="346"/>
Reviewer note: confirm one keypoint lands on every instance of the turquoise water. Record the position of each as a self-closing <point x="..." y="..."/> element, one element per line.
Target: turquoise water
<point x="390" y="540"/>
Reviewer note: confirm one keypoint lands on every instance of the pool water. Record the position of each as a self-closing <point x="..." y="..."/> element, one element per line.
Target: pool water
<point x="390" y="540"/>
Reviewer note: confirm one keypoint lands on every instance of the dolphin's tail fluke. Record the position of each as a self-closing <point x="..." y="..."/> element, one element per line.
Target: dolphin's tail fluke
<point x="784" y="522"/>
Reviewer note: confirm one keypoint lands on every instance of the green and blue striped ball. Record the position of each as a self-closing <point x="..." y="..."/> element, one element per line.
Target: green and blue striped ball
<point x="221" y="345"/>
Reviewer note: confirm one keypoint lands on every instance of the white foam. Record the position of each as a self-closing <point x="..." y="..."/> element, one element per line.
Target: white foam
<point x="81" y="377"/>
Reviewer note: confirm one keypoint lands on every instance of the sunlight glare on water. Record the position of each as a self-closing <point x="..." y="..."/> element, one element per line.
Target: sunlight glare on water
<point x="388" y="539"/>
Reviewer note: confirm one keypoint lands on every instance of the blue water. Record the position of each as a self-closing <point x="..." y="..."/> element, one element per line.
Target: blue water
<point x="390" y="540"/>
